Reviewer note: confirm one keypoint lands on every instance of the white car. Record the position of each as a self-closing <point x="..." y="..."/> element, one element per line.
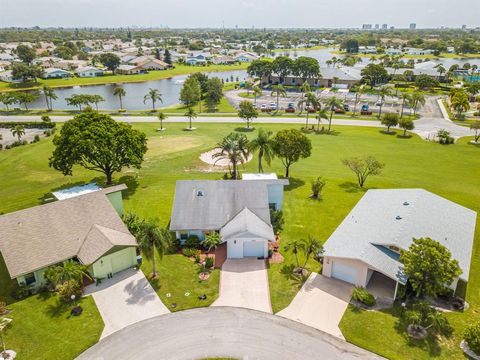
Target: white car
<point x="379" y="103"/>
<point x="273" y="106"/>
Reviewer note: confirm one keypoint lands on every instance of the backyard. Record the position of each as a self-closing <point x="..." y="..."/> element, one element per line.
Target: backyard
<point x="448" y="171"/>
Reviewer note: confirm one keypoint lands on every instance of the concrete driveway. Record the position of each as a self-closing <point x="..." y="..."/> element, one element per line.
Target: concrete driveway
<point x="320" y="304"/>
<point x="124" y="300"/>
<point x="222" y="332"/>
<point x="244" y="283"/>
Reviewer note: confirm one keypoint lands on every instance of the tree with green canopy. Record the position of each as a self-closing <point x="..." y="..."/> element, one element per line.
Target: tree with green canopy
<point x="290" y="145"/>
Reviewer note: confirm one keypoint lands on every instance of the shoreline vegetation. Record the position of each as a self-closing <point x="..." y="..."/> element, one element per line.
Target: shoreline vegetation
<point x="114" y="79"/>
<point x="407" y="56"/>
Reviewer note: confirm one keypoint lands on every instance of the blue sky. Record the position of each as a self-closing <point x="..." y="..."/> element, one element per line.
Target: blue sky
<point x="244" y="13"/>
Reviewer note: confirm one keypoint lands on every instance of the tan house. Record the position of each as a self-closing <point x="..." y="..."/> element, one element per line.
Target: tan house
<point x="86" y="228"/>
<point x="130" y="70"/>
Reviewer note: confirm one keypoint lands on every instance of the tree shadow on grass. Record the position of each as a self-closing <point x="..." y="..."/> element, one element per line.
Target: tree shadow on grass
<point x="351" y="187"/>
<point x="132" y="184"/>
<point x="244" y="129"/>
<point x="332" y="132"/>
<point x="385" y="132"/>
<point x="289" y="272"/>
<point x="404" y="137"/>
<point x="294" y="183"/>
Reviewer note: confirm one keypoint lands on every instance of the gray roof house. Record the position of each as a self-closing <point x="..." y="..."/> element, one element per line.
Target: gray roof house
<point x="238" y="209"/>
<point x="366" y="245"/>
<point x="87" y="228"/>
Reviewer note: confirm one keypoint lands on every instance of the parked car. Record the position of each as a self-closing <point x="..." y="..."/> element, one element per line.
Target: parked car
<point x="339" y="110"/>
<point x="290" y="108"/>
<point x="379" y="103"/>
<point x="273" y="106"/>
<point x="346" y="107"/>
<point x="365" y="110"/>
<point x="264" y="108"/>
<point x="310" y="109"/>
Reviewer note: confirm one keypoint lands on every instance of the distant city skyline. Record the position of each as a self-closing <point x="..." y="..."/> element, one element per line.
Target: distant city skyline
<point x="238" y="13"/>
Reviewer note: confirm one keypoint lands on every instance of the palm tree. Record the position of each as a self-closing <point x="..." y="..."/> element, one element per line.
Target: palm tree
<point x="233" y="147"/>
<point x="295" y="246"/>
<point x="332" y="103"/>
<point x="212" y="240"/>
<point x="460" y="103"/>
<point x="18" y="131"/>
<point x="312" y="246"/>
<point x="264" y="144"/>
<point x="69" y="271"/>
<point x="308" y="100"/>
<point x="382" y="93"/>
<point x="321" y="114"/>
<point x="441" y="70"/>
<point x="153" y="95"/>
<point x="50" y="95"/>
<point x="161" y="116"/>
<point x="191" y="114"/>
<point x="360" y="91"/>
<point x="418" y="99"/>
<point x="96" y="99"/>
<point x="305" y="88"/>
<point x="120" y="92"/>
<point x="151" y="238"/>
<point x="405" y="99"/>
<point x="256" y="92"/>
<point x="278" y="90"/>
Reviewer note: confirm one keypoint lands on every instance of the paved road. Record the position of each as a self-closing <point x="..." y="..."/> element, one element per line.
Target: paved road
<point x="220" y="332"/>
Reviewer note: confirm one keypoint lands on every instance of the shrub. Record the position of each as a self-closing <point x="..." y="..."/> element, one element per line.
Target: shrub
<point x="361" y="294"/>
<point x="3" y="307"/>
<point x="46" y="118"/>
<point x="208" y="262"/>
<point x="28" y="125"/>
<point x="476" y="113"/>
<point x="36" y="138"/>
<point x="192" y="242"/>
<point x="317" y="186"/>
<point x="190" y="252"/>
<point x="69" y="288"/>
<point x="276" y="218"/>
<point x="121" y="110"/>
<point x="472" y="337"/>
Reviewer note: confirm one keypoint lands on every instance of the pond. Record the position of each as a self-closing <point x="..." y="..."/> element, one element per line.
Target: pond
<point x="169" y="88"/>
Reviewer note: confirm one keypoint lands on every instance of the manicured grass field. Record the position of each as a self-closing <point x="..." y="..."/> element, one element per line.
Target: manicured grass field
<point x="42" y="328"/>
<point x="151" y="75"/>
<point x="450" y="171"/>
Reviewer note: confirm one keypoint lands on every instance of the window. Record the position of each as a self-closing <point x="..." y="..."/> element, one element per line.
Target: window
<point x="394" y="248"/>
<point x="183" y="235"/>
<point x="30" y="279"/>
<point x="272" y="206"/>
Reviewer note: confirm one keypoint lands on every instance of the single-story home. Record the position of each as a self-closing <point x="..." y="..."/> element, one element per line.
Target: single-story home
<point x="238" y="209"/>
<point x="153" y="64"/>
<point x="54" y="73"/>
<point x="328" y="77"/>
<point x="89" y="71"/>
<point x="368" y="242"/>
<point x="7" y="76"/>
<point x="84" y="226"/>
<point x="223" y="60"/>
<point x="130" y="70"/>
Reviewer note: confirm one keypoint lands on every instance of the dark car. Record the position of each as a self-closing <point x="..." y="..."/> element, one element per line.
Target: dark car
<point x="346" y="107"/>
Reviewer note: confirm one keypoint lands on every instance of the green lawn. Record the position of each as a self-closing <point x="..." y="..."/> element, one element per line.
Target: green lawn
<point x="42" y="328"/>
<point x="151" y="75"/>
<point x="179" y="276"/>
<point x="449" y="171"/>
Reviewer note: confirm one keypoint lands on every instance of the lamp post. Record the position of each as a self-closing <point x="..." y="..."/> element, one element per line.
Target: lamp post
<point x="404" y="305"/>
<point x="73" y="297"/>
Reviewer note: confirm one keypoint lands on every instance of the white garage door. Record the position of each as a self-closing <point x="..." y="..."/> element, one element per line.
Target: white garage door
<point x="344" y="272"/>
<point x="253" y="248"/>
<point x="121" y="261"/>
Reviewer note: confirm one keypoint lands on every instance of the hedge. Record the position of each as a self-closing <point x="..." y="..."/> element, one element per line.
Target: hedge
<point x="27" y="125"/>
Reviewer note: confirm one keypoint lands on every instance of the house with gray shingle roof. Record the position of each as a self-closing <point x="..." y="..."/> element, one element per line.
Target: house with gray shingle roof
<point x="238" y="209"/>
<point x="369" y="240"/>
<point x="86" y="228"/>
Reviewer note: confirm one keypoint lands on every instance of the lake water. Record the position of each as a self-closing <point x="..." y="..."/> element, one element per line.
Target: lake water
<point x="169" y="88"/>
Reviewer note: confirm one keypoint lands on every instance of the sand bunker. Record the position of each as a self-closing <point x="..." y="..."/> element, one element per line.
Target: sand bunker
<point x="207" y="157"/>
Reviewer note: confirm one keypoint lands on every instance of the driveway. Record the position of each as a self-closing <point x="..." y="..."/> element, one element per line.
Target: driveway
<point x="222" y="332"/>
<point x="124" y="300"/>
<point x="244" y="283"/>
<point x="320" y="303"/>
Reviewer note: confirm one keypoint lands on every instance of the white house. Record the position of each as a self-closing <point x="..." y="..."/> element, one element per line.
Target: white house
<point x="368" y="242"/>
<point x="89" y="71"/>
<point x="54" y="73"/>
<point x="238" y="209"/>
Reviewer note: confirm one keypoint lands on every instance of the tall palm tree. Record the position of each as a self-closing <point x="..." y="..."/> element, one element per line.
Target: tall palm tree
<point x="360" y="91"/>
<point x="256" y="92"/>
<point x="151" y="238"/>
<point x="332" y="103"/>
<point x="233" y="147"/>
<point x="418" y="99"/>
<point x="295" y="246"/>
<point x="305" y="88"/>
<point x="441" y="70"/>
<point x="278" y="90"/>
<point x="153" y="95"/>
<point x="321" y="114"/>
<point x="120" y="92"/>
<point x="309" y="100"/>
<point x="382" y="93"/>
<point x="18" y="131"/>
<point x="68" y="271"/>
<point x="264" y="144"/>
<point x="405" y="99"/>
<point x="191" y="114"/>
<point x="460" y="103"/>
<point x="161" y="116"/>
<point x="50" y="95"/>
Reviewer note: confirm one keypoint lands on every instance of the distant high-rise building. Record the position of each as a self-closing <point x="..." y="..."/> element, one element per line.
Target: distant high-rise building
<point x="385" y="26"/>
<point x="464" y="27"/>
<point x="413" y="26"/>
<point x="367" y="27"/>
<point x="377" y="26"/>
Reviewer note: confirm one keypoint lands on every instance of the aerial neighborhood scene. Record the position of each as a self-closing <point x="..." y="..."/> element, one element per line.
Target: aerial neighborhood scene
<point x="239" y="180"/>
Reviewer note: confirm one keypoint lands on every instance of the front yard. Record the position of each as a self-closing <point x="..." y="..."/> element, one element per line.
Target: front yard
<point x="448" y="171"/>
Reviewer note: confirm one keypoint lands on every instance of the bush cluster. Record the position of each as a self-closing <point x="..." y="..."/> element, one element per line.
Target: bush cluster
<point x="28" y="125"/>
<point x="362" y="295"/>
<point x="192" y="242"/>
<point x="472" y="337"/>
<point x="190" y="252"/>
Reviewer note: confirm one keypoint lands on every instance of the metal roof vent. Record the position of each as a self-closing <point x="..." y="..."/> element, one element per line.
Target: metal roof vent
<point x="406" y="203"/>
<point x="200" y="193"/>
<point x="398" y="217"/>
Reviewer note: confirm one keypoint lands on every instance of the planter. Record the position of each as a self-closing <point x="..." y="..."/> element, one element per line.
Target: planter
<point x="417" y="332"/>
<point x="467" y="351"/>
<point x="8" y="355"/>
<point x="300" y="271"/>
<point x="204" y="276"/>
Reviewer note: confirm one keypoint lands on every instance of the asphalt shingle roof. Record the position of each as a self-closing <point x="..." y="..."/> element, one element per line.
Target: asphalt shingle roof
<point x="394" y="217"/>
